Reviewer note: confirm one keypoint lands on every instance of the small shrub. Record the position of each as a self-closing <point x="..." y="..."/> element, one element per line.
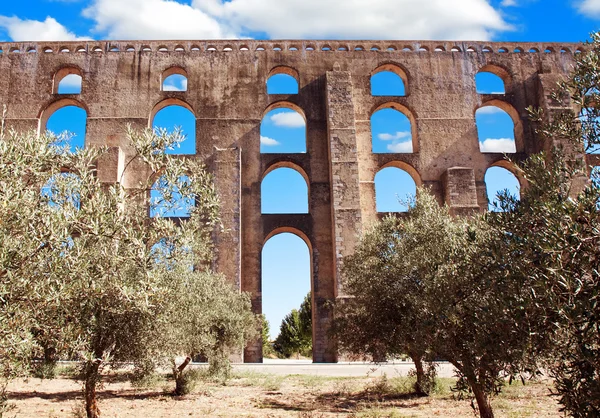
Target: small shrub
<point x="45" y="370"/>
<point x="187" y="381"/>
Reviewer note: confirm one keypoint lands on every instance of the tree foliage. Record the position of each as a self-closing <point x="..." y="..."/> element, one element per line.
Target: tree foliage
<point x="86" y="273"/>
<point x="295" y="332"/>
<point x="499" y="295"/>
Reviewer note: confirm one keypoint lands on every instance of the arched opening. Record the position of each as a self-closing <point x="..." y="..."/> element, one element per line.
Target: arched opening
<point x="495" y="130"/>
<point x="395" y="189"/>
<point x="488" y="83"/>
<point x="67" y="81"/>
<point x="283" y="130"/>
<point x="282" y="80"/>
<point x="175" y="82"/>
<point x="63" y="191"/>
<point x="388" y="80"/>
<point x="286" y="280"/>
<point x="284" y="190"/>
<point x="491" y="79"/>
<point x="172" y="114"/>
<point x="167" y="201"/>
<point x="499" y="180"/>
<point x="70" y="84"/>
<point x="392" y="131"/>
<point x="69" y="124"/>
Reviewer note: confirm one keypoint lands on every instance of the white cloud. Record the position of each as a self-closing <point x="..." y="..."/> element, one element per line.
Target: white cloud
<point x="35" y="30"/>
<point x="71" y="81"/>
<point x="153" y="19"/>
<point x="401" y="147"/>
<point x="498" y="145"/>
<point x="394" y="137"/>
<point x="489" y="110"/>
<point x="269" y="142"/>
<point x="288" y="120"/>
<point x="590" y="8"/>
<point x="375" y="19"/>
<point x="171" y="85"/>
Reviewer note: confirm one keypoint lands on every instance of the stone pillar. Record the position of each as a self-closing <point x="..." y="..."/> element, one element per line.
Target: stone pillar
<point x="547" y="84"/>
<point x="460" y="190"/>
<point x="225" y="167"/>
<point x="343" y="158"/>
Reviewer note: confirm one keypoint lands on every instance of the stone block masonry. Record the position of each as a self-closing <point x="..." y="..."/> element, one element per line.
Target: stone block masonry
<point x="227" y="94"/>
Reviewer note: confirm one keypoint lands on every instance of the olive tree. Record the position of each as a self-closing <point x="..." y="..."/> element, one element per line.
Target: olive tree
<point x="82" y="263"/>
<point x="428" y="285"/>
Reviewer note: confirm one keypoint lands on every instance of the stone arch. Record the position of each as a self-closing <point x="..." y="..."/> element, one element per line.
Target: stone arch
<point x="404" y="167"/>
<point x="172" y="71"/>
<point x="513" y="169"/>
<point x="288" y="164"/>
<point x="290" y="230"/>
<point x="395" y="69"/>
<point x="303" y="201"/>
<point x="52" y="107"/>
<point x="498" y="71"/>
<point x="283" y="72"/>
<point x="514" y="115"/>
<point x="62" y="73"/>
<point x="188" y="117"/>
<point x="502" y="168"/>
<point x="269" y="288"/>
<point x="383" y="202"/>
<point x="269" y="128"/>
<point x="165" y="103"/>
<point x="406" y="112"/>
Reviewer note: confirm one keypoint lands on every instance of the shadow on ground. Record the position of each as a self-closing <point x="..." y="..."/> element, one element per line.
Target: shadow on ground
<point x="336" y="402"/>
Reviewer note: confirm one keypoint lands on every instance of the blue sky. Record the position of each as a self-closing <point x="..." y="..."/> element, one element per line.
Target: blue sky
<point x="286" y="267"/>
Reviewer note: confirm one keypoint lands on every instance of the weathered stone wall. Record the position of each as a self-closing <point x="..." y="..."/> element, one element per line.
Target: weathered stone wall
<point x="227" y="94"/>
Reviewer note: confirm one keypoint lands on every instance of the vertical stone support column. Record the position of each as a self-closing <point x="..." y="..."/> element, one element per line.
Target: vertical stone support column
<point x="547" y="84"/>
<point x="226" y="166"/>
<point x="226" y="169"/>
<point x="460" y="190"/>
<point x="345" y="191"/>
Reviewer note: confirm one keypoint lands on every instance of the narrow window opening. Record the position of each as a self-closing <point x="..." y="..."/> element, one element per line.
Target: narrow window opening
<point x="391" y="132"/>
<point x="489" y="83"/>
<point x="499" y="180"/>
<point x="282" y="84"/>
<point x="283" y="130"/>
<point x="175" y="116"/>
<point x="496" y="130"/>
<point x="387" y="83"/>
<point x="395" y="190"/>
<point x="175" y="82"/>
<point x="69" y="124"/>
<point x="70" y="84"/>
<point x="284" y="190"/>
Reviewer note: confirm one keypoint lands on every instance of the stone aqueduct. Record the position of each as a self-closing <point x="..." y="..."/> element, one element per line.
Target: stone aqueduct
<point x="227" y="94"/>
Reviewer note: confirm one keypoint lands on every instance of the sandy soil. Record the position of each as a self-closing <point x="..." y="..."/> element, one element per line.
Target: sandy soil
<point x="258" y="395"/>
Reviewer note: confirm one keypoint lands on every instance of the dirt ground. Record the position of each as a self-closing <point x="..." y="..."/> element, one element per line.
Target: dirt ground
<point x="250" y="394"/>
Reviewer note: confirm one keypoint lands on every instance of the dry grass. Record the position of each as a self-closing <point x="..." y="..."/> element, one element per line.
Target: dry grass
<point x="261" y="395"/>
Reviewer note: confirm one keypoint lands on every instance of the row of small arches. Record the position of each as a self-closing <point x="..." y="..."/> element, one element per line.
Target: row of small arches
<point x="386" y="80"/>
<point x="281" y="47"/>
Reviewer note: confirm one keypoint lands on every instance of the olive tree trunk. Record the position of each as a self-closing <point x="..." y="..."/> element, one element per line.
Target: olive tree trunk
<point x="91" y="380"/>
<point x="483" y="400"/>
<point x="178" y="375"/>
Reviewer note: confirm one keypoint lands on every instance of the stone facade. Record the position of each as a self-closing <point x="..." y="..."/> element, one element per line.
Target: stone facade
<point x="227" y="94"/>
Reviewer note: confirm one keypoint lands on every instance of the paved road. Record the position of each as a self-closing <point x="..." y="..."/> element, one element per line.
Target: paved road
<point x="306" y="367"/>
